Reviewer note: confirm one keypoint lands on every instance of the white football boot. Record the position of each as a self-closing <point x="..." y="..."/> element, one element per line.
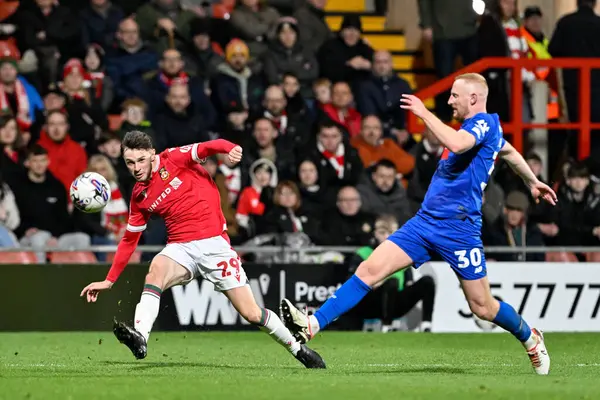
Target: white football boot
<point x="538" y="354"/>
<point x="296" y="321"/>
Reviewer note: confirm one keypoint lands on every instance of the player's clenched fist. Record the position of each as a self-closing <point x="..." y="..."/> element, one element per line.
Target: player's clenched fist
<point x="92" y="290"/>
<point x="235" y="155"/>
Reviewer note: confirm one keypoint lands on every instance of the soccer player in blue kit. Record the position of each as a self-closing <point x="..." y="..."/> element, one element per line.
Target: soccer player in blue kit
<point x="448" y="223"/>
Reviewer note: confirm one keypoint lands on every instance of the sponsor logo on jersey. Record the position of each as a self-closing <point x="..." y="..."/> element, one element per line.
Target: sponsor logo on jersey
<point x="164" y="174"/>
<point x="174" y="185"/>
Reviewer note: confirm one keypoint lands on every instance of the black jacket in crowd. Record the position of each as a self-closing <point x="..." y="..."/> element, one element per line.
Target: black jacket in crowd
<point x="173" y="130"/>
<point x="42" y="206"/>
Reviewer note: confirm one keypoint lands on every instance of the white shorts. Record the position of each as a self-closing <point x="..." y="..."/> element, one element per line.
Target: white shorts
<point x="212" y="259"/>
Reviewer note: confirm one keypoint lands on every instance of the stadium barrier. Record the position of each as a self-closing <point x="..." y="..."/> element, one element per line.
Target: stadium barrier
<point x="555" y="297"/>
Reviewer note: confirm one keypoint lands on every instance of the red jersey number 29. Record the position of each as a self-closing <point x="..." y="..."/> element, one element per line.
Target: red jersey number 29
<point x="234" y="263"/>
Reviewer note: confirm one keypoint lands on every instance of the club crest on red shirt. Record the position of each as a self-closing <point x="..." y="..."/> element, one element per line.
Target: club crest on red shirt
<point x="164" y="174"/>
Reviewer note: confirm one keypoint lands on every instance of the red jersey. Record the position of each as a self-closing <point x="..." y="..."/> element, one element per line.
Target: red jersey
<point x="182" y="193"/>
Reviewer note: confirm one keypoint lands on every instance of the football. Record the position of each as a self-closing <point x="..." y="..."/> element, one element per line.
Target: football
<point x="90" y="192"/>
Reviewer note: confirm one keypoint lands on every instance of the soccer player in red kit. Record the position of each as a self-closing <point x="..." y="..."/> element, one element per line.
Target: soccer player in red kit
<point x="174" y="186"/>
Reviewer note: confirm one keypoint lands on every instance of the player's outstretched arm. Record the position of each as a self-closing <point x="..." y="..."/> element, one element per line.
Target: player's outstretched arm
<point x="125" y="249"/>
<point x="218" y="146"/>
<point x="455" y="141"/>
<point x="518" y="164"/>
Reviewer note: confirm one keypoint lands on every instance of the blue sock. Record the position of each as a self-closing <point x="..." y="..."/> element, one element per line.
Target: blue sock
<point x="345" y="298"/>
<point x="508" y="319"/>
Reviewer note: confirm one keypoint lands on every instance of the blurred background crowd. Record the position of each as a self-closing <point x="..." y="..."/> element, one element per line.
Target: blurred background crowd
<point x="327" y="156"/>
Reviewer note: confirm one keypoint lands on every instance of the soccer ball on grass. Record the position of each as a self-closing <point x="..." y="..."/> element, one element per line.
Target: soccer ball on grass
<point x="90" y="192"/>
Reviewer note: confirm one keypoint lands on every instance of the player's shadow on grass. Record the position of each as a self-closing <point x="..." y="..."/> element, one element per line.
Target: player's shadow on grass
<point x="410" y="370"/>
<point x="148" y="365"/>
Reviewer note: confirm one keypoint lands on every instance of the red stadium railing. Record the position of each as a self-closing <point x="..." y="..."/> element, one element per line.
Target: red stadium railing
<point x="516" y="126"/>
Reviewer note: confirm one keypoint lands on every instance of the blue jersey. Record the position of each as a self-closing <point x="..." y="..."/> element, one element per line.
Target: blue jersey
<point x="456" y="189"/>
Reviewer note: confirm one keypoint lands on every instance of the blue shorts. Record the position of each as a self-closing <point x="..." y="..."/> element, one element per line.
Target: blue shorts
<point x="457" y="241"/>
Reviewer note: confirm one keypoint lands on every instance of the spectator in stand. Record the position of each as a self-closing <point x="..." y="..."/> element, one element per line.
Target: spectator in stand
<point x="293" y="131"/>
<point x="575" y="221"/>
<point x="43" y="206"/>
<point x="500" y="35"/>
<point x="450" y="26"/>
<point x="100" y="84"/>
<point x="427" y="153"/>
<point x="340" y="109"/>
<point x="316" y="199"/>
<point x="86" y="117"/>
<point x="263" y="175"/>
<point x="54" y="100"/>
<point x="513" y="229"/>
<point x="212" y="166"/>
<point x="107" y="226"/>
<point x="171" y="69"/>
<point x="254" y="22"/>
<point x="10" y="218"/>
<point x="380" y="95"/>
<point x="235" y="84"/>
<point x="17" y="95"/>
<point x="202" y="56"/>
<point x="339" y="164"/>
<point x="181" y="122"/>
<point x="288" y="215"/>
<point x="12" y="156"/>
<point x="346" y="57"/>
<point x="297" y="105"/>
<point x="372" y="147"/>
<point x="267" y="144"/>
<point x="53" y="31"/>
<point x="576" y="35"/>
<point x="315" y="31"/>
<point x="348" y="225"/>
<point x="110" y="146"/>
<point x="382" y="192"/>
<point x="99" y="23"/>
<point x="164" y="24"/>
<point x="67" y="158"/>
<point x="133" y="113"/>
<point x="287" y="55"/>
<point x="322" y="93"/>
<point x="129" y="61"/>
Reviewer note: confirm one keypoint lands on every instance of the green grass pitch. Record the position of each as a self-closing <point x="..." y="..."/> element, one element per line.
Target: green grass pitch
<point x="250" y="366"/>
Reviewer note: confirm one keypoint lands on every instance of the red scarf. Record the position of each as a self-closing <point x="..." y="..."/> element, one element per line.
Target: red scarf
<point x="335" y="159"/>
<point x="97" y="80"/>
<point x="23" y="119"/>
<point x="182" y="77"/>
<point x="280" y="122"/>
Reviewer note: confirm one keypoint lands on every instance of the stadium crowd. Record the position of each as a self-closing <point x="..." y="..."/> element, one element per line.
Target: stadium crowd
<point x="327" y="158"/>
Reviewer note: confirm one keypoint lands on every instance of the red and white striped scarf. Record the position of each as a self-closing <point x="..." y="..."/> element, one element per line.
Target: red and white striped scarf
<point x="22" y="103"/>
<point x="336" y="159"/>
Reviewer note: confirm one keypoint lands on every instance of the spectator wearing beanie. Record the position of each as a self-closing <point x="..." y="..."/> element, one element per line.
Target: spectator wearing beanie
<point x="346" y="57"/>
<point x="235" y="84"/>
<point x="87" y="119"/>
<point x="286" y="55"/>
<point x="204" y="56"/>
